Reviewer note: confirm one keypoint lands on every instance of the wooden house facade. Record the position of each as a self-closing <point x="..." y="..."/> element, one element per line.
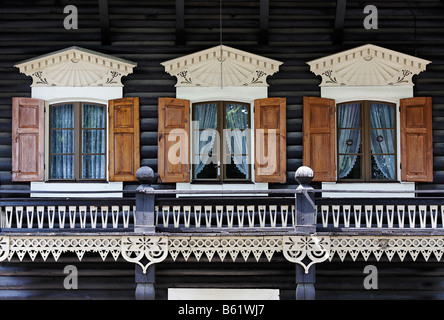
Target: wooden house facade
<point x="212" y="149"/>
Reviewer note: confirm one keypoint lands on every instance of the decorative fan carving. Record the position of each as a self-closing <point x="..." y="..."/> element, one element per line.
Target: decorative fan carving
<point x="367" y="65"/>
<point x="76" y="67"/>
<point x="221" y="66"/>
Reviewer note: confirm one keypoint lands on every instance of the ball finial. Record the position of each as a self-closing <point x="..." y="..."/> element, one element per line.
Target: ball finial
<point x="145" y="175"/>
<point x="304" y="175"/>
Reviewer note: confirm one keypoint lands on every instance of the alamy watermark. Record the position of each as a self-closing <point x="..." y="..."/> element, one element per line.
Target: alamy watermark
<point x="72" y="19"/>
<point x="371" y="21"/>
<point x="371" y="281"/>
<point x="71" y="281"/>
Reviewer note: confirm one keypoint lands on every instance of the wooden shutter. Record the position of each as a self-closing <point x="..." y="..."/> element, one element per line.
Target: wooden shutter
<point x="416" y="139"/>
<point x="174" y="134"/>
<point x="270" y="140"/>
<point x="319" y="145"/>
<point x="124" y="137"/>
<point x="28" y="139"/>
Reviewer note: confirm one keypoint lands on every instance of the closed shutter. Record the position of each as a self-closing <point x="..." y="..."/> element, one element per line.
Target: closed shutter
<point x="319" y="145"/>
<point x="416" y="139"/>
<point x="173" y="140"/>
<point x="124" y="137"/>
<point x="270" y="140"/>
<point x="28" y="138"/>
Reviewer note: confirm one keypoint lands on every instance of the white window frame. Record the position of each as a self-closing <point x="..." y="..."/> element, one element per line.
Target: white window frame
<point x="53" y="95"/>
<point x="240" y="94"/>
<point x="391" y="94"/>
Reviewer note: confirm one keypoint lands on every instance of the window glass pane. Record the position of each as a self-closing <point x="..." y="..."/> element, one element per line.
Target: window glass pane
<point x="62" y="167"/>
<point x="382" y="140"/>
<point x="62" y="141"/>
<point x="93" y="141"/>
<point x="349" y="167"/>
<point x="237" y="116"/>
<point x="382" y="115"/>
<point x="205" y="142"/>
<point x="93" y="167"/>
<point x="206" y="115"/>
<point x="238" y="168"/>
<point x="237" y="141"/>
<point x="349" y="140"/>
<point x="383" y="167"/>
<point x="93" y="116"/>
<point x="349" y="115"/>
<point x="62" y="116"/>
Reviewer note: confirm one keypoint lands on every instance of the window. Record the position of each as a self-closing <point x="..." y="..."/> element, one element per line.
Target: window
<point x="221" y="141"/>
<point x="77" y="142"/>
<point x="366" y="141"/>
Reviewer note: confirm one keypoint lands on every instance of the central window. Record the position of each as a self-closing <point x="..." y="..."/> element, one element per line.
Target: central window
<point x="77" y="142"/>
<point x="366" y="141"/>
<point x="221" y="141"/>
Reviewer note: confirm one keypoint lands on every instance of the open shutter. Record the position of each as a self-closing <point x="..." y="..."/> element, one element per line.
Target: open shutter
<point x="174" y="134"/>
<point x="416" y="139"/>
<point x="270" y="140"/>
<point x="319" y="145"/>
<point x="28" y="139"/>
<point x="124" y="137"/>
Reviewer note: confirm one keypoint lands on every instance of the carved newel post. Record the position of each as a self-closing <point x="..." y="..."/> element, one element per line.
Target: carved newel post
<point x="305" y="225"/>
<point x="144" y="224"/>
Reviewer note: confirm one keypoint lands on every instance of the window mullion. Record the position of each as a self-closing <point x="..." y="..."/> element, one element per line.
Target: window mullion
<point x="78" y="141"/>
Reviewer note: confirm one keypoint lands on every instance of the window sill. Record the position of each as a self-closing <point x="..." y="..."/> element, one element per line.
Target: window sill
<point x="221" y="186"/>
<point x="88" y="189"/>
<point x="362" y="187"/>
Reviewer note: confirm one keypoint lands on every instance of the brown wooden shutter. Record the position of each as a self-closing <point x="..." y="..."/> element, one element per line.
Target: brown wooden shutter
<point x="28" y="139"/>
<point x="270" y="140"/>
<point x="416" y="139"/>
<point x="174" y="134"/>
<point x="319" y="145"/>
<point x="124" y="139"/>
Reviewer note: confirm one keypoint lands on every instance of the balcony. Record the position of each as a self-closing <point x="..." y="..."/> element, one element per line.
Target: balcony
<point x="147" y="225"/>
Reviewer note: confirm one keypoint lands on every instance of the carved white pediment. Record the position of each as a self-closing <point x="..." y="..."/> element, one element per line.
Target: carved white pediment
<point x="76" y="67"/>
<point x="221" y="66"/>
<point x="368" y="65"/>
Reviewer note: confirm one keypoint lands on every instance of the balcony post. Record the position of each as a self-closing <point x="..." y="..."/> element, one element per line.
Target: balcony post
<point x="305" y="225"/>
<point x="145" y="224"/>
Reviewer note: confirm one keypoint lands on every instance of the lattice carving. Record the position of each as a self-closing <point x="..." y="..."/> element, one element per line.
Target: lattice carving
<point x="306" y="250"/>
<point x="224" y="247"/>
<point x="136" y="248"/>
<point x="389" y="246"/>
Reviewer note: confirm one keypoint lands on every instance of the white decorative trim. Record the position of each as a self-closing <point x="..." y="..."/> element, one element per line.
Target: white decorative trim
<point x="76" y="67"/>
<point x="224" y="247"/>
<point x="146" y="250"/>
<point x="221" y="66"/>
<point x="306" y="250"/>
<point x="389" y="246"/>
<point x="368" y="65"/>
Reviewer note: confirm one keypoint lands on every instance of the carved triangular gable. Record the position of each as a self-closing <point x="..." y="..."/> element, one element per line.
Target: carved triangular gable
<point x="76" y="67"/>
<point x="221" y="66"/>
<point x="368" y="65"/>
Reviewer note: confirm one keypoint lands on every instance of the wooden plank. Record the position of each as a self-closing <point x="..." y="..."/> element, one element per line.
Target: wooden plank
<point x="180" y="22"/>
<point x="264" y="21"/>
<point x="104" y="22"/>
<point x="339" y="21"/>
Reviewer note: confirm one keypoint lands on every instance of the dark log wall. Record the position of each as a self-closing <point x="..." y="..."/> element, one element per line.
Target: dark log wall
<point x="145" y="32"/>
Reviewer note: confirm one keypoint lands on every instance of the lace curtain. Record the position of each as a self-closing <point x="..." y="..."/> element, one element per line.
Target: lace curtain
<point x="204" y="141"/>
<point x="236" y="137"/>
<point x="383" y="140"/>
<point x="349" y="116"/>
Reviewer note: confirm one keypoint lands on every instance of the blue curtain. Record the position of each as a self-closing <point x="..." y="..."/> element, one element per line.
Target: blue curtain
<point x="383" y="140"/>
<point x="62" y="142"/>
<point x="349" y="140"/>
<point x="93" y="141"/>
